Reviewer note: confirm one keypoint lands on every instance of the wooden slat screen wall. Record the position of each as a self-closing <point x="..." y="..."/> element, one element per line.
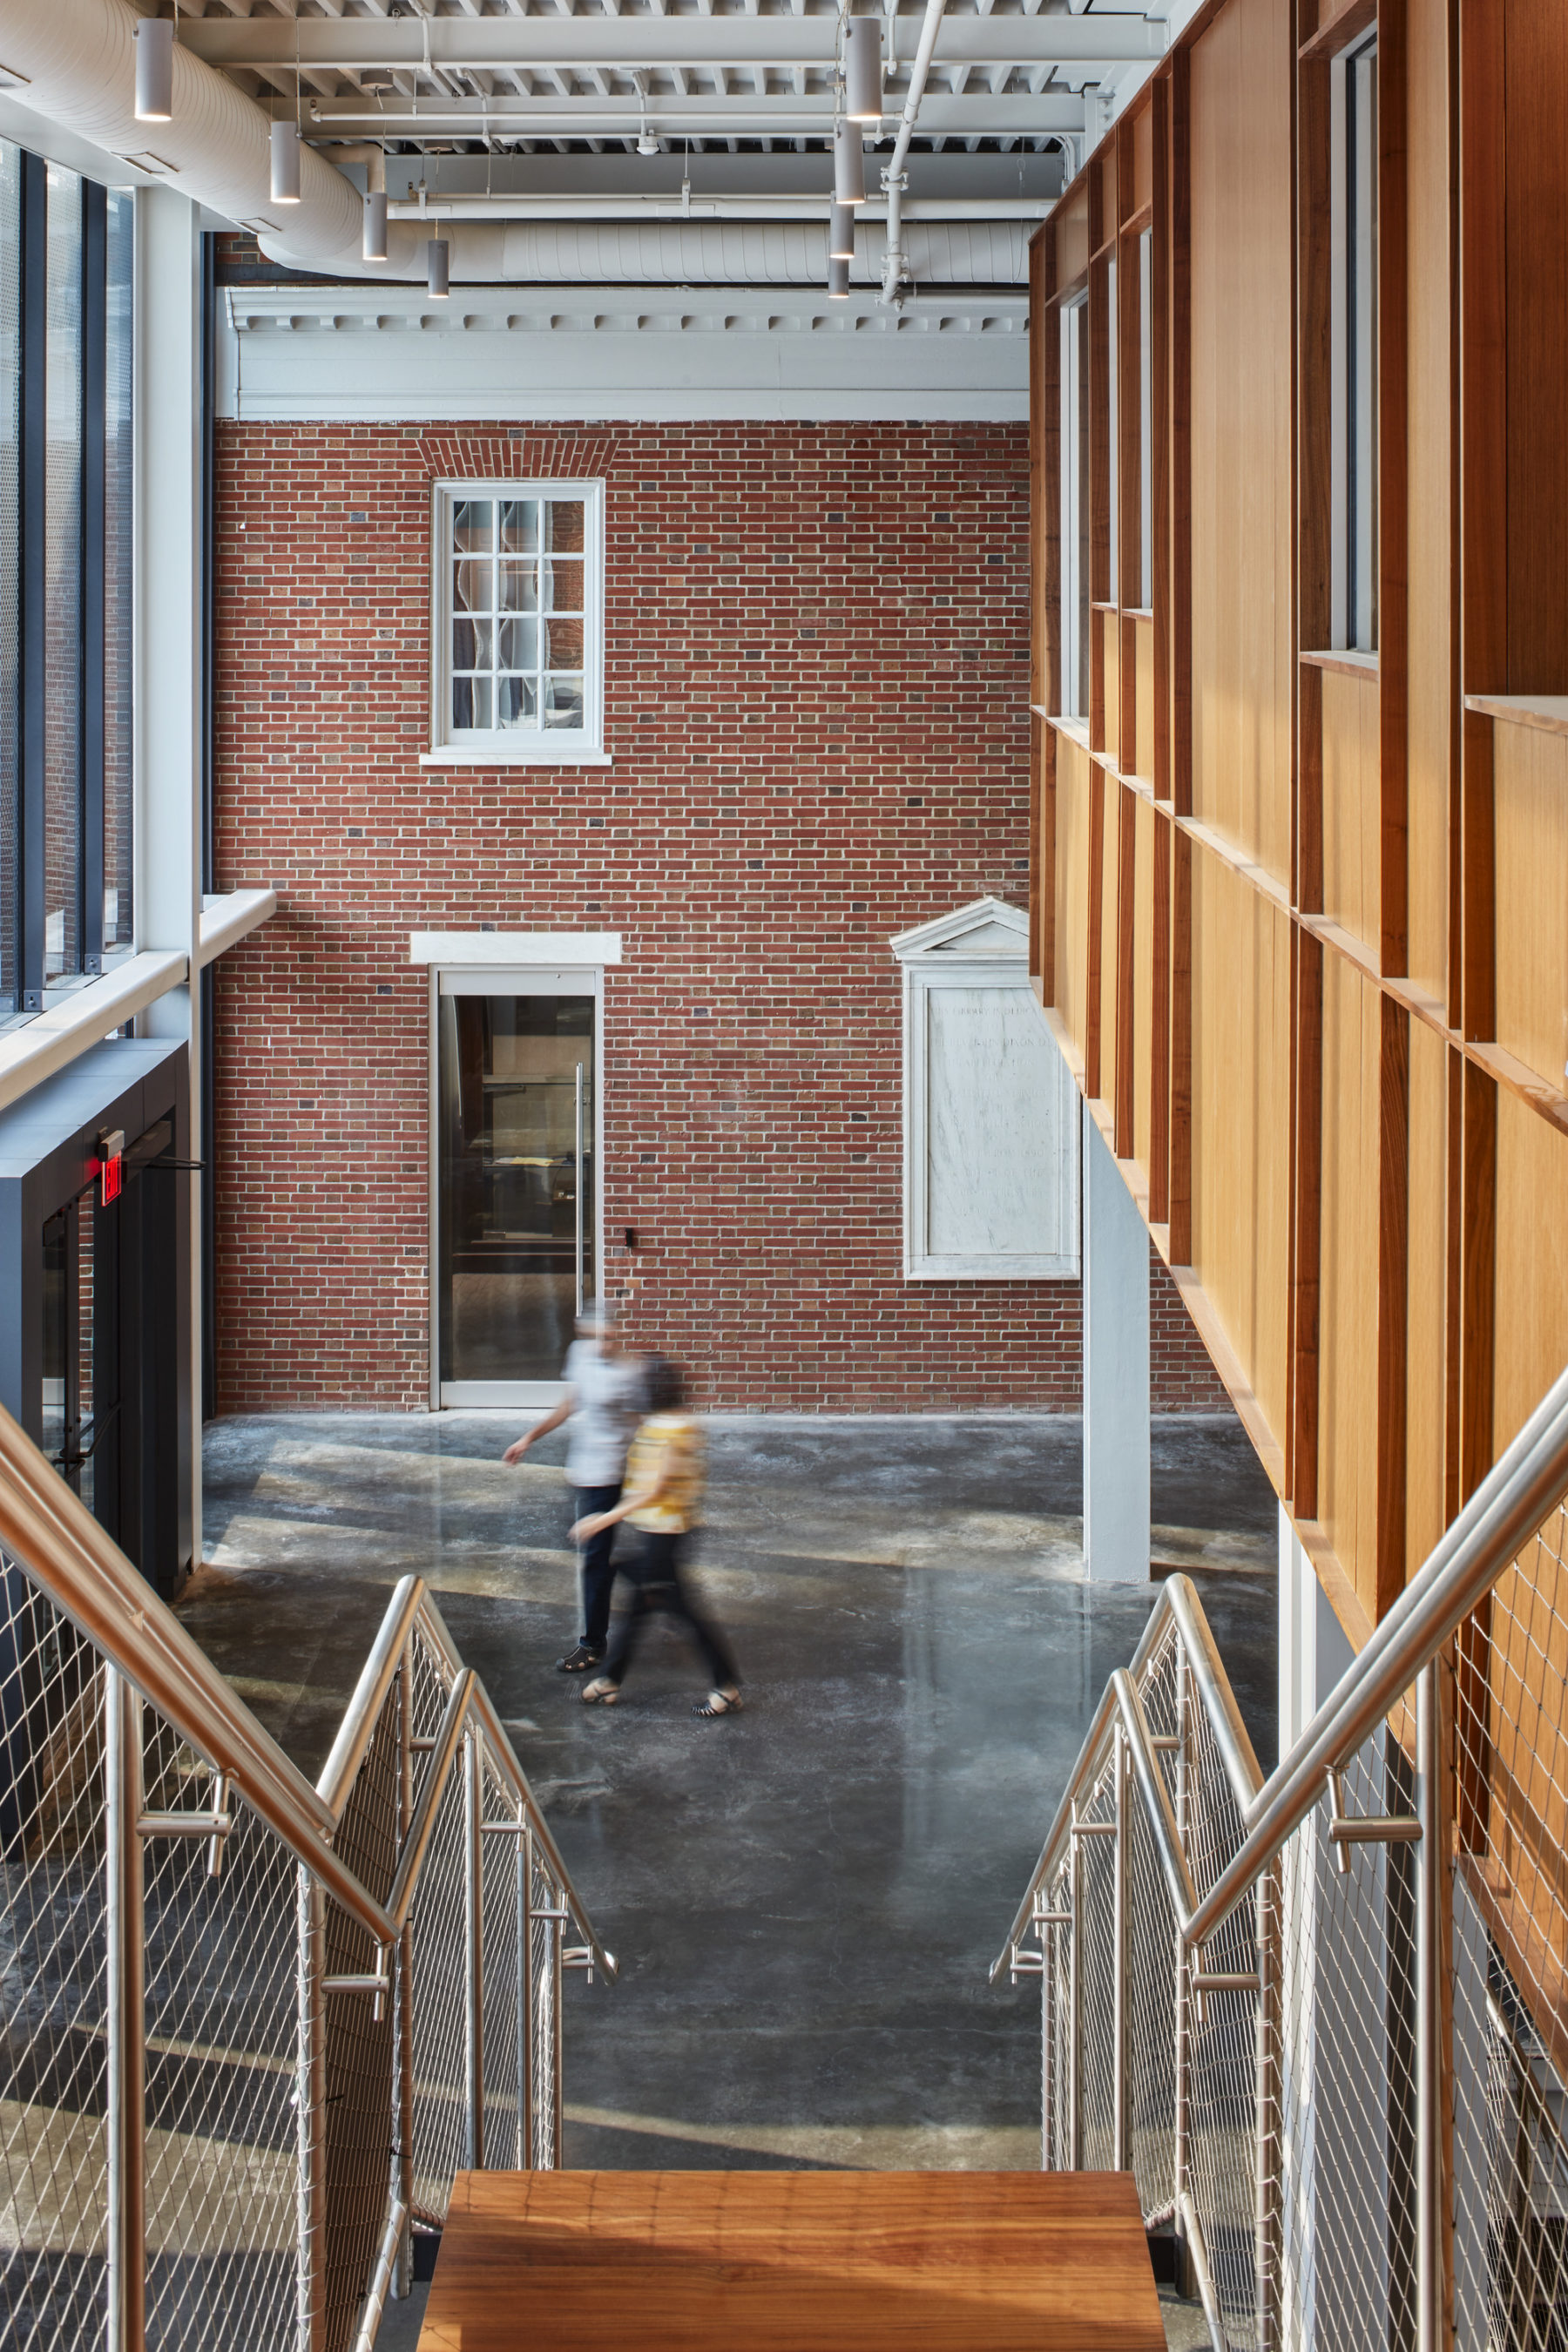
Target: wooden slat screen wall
<point x="1301" y="914"/>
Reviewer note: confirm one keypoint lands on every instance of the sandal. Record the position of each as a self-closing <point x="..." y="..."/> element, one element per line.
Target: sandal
<point x="717" y="1701"/>
<point x="578" y="1661"/>
<point x="601" y="1693"/>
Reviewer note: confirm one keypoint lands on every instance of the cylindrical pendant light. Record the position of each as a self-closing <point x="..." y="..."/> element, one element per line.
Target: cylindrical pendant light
<point x="849" y="165"/>
<point x="841" y="233"/>
<point x="155" y="39"/>
<point x="438" y="253"/>
<point x="373" y="248"/>
<point x="837" y="278"/>
<point x="285" y="162"/>
<point x="863" y="70"/>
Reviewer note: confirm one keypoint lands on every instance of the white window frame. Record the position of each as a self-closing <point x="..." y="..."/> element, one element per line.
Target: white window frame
<point x="1353" y="161"/>
<point x="932" y="958"/>
<point x="513" y="747"/>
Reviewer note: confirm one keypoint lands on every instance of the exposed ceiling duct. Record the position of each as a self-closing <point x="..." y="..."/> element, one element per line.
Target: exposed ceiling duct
<point x="77" y="61"/>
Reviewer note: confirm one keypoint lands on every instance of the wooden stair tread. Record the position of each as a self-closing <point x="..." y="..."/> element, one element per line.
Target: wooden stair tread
<point x="793" y="2262"/>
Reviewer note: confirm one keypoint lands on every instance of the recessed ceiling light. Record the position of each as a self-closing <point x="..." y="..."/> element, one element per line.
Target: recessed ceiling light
<point x="10" y="79"/>
<point x="149" y="163"/>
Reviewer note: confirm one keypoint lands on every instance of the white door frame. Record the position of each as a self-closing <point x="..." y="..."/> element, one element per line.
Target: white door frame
<point x="492" y="964"/>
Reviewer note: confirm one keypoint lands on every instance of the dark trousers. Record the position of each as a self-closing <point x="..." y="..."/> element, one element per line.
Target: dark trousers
<point x="656" y="1590"/>
<point x="595" y="1567"/>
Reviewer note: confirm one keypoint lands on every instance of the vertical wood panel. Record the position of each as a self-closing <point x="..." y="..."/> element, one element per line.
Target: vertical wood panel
<point x="1305" y="1238"/>
<point x="1242" y="377"/>
<point x="1143" y="698"/>
<point x="1427" y="1313"/>
<point x="1392" y="1278"/>
<point x="1530" y="1262"/>
<point x="1351" y="813"/>
<point x="1126" y="917"/>
<point x="1174" y="514"/>
<point x="1072" y="876"/>
<point x="1530" y="802"/>
<point x="1535" y="103"/>
<point x="1109" y="935"/>
<point x="1159" y="1030"/>
<point x="1241" y="1060"/>
<point x="1181" y="1176"/>
<point x="1394" y="950"/>
<point x="1432" y="573"/>
<point x="1094" y="933"/>
<point x="1144" y="941"/>
<point x="1348" y="1339"/>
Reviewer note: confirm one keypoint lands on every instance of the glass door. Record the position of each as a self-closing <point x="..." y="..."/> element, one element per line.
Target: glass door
<point x="516" y="1200"/>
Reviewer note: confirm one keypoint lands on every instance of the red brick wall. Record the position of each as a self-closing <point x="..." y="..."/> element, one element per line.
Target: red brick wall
<point x="819" y="740"/>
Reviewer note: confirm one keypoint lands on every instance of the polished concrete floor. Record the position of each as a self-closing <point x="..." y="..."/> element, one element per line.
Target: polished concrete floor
<point x="805" y="1898"/>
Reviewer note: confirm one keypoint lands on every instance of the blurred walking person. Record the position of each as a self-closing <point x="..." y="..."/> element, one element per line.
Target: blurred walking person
<point x="604" y="1402"/>
<point x="663" y="1501"/>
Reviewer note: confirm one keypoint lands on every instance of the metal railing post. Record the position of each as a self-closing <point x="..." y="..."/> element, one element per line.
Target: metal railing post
<point x="1180" y="1993"/>
<point x="1075" y="2013"/>
<point x="1121" y="2137"/>
<point x="403" y="1997"/>
<point x="1434" y="1979"/>
<point x="1265" y="2144"/>
<point x="557" y="2052"/>
<point x="1048" y="2050"/>
<point x="529" y="2156"/>
<point x="473" y="1940"/>
<point x="310" y="2112"/>
<point x="126" y="1991"/>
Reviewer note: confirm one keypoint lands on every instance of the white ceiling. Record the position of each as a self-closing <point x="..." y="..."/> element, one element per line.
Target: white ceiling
<point x="589" y="76"/>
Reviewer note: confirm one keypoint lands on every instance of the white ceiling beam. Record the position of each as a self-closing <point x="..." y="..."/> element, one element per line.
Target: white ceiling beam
<point x="975" y="115"/>
<point x="362" y="44"/>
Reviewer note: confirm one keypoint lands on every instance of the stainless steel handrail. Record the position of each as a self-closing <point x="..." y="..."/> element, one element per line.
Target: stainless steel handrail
<point x="1177" y="1611"/>
<point x="83" y="1571"/>
<point x="362" y="1712"/>
<point x="1526" y="1484"/>
<point x="483" y="1706"/>
<point x="88" y="1579"/>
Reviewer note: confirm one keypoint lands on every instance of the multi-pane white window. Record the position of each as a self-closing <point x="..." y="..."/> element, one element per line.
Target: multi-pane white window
<point x="1075" y="511"/>
<point x="1354" y="163"/>
<point x="519" y="604"/>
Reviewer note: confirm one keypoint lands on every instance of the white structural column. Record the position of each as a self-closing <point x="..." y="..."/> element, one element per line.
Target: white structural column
<point x="168" y="654"/>
<point x="1116" y="1539"/>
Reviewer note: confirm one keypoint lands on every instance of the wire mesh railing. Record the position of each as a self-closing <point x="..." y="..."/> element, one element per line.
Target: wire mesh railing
<point x="248" y="2030"/>
<point x="1323" y="2019"/>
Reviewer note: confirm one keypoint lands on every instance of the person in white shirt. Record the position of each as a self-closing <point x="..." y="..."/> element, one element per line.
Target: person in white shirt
<point x="604" y="1402"/>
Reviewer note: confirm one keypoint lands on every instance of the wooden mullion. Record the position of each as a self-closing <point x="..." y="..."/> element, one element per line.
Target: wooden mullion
<point x="1181" y="581"/>
<point x="1096" y="929"/>
<point x="1044" y="865"/>
<point x="1126" y="905"/>
<point x="1181" y="1198"/>
<point x="1393" y="537"/>
<point x="1393" y="1301"/>
<point x="1306" y="1260"/>
<point x="1477" y="883"/>
<point x="1314" y="338"/>
<point x="1477" y="1341"/>
<point x="1160" y="1032"/>
<point x="1159" y="481"/>
<point x="1309" y="879"/>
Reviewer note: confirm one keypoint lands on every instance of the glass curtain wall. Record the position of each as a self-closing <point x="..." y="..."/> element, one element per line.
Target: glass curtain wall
<point x="65" y="266"/>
